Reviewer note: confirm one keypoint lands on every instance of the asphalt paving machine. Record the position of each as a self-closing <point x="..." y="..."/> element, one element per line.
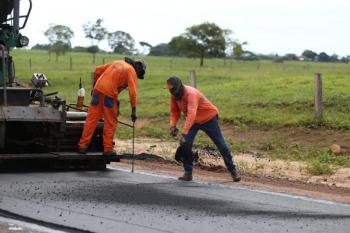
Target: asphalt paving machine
<point x="36" y="128"/>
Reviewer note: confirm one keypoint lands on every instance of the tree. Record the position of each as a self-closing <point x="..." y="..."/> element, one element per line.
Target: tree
<point x="345" y="59"/>
<point x="121" y="42"/>
<point x="291" y="57"/>
<point x="59" y="37"/>
<point x="146" y="47"/>
<point x="238" y="49"/>
<point x="41" y="47"/>
<point x="96" y="33"/>
<point x="334" y="58"/>
<point x="206" y="39"/>
<point x="309" y="55"/>
<point x="323" y="57"/>
<point x="162" y="50"/>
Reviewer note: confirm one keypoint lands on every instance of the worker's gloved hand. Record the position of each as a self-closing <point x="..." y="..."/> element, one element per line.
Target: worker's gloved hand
<point x="133" y="114"/>
<point x="182" y="139"/>
<point x="174" y="131"/>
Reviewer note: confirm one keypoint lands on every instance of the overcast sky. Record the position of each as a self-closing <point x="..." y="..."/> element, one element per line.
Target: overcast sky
<point x="270" y="26"/>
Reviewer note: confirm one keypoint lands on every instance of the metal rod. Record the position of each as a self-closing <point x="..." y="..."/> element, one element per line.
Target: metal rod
<point x="133" y="147"/>
<point x="4" y="71"/>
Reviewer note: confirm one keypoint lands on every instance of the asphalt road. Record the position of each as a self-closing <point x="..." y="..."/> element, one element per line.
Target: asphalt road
<point x="118" y="201"/>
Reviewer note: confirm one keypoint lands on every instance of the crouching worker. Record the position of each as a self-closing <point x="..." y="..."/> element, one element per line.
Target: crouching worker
<point x="200" y="114"/>
<point x="110" y="79"/>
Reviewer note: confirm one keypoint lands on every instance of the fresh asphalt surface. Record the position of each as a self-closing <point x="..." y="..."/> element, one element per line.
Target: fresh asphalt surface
<point x="119" y="201"/>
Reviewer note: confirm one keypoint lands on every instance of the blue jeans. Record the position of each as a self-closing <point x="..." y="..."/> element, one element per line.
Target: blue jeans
<point x="212" y="129"/>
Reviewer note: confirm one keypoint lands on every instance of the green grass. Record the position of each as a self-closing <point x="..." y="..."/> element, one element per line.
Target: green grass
<point x="274" y="95"/>
<point x="315" y="167"/>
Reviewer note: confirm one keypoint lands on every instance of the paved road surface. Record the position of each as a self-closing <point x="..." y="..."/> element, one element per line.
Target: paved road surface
<point x="118" y="201"/>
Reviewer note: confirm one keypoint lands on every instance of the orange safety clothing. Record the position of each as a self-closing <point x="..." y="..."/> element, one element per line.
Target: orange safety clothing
<point x="195" y="106"/>
<point x="112" y="78"/>
<point x="101" y="106"/>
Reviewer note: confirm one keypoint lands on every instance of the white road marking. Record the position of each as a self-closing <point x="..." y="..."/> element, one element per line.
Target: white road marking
<point x="16" y="225"/>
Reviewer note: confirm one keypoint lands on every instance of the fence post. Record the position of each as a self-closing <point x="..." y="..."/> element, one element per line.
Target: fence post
<point x="70" y="63"/>
<point x="30" y="64"/>
<point x="193" y="79"/>
<point x="103" y="60"/>
<point x="318" y="97"/>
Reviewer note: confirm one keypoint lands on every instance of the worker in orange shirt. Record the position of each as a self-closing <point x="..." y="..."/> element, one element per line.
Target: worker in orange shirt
<point x="200" y="114"/>
<point x="109" y="80"/>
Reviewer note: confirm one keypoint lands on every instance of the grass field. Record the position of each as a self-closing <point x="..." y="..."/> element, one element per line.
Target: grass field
<point x="255" y="94"/>
<point x="258" y="93"/>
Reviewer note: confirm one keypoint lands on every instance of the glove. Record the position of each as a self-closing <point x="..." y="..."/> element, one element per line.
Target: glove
<point x="182" y="139"/>
<point x="133" y="114"/>
<point x="174" y="131"/>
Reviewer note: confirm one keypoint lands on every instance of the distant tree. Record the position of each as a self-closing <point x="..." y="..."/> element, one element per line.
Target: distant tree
<point x="309" y="55"/>
<point x="79" y="49"/>
<point x="291" y="57"/>
<point x="41" y="47"/>
<point x="162" y="50"/>
<point x="206" y="39"/>
<point x="121" y="42"/>
<point x="146" y="47"/>
<point x="249" y="56"/>
<point x="238" y="49"/>
<point x="96" y="33"/>
<point x="345" y="59"/>
<point x="334" y="58"/>
<point x="59" y="37"/>
<point x="323" y="57"/>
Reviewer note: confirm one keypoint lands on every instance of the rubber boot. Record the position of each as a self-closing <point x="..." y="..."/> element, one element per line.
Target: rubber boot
<point x="187" y="176"/>
<point x="82" y="150"/>
<point x="235" y="176"/>
<point x="111" y="154"/>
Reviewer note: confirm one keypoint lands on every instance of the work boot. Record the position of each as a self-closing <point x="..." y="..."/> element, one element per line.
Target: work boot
<point x="235" y="176"/>
<point x="187" y="176"/>
<point x="82" y="150"/>
<point x="111" y="154"/>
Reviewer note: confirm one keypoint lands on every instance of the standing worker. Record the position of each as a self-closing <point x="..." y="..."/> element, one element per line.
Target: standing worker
<point x="109" y="80"/>
<point x="200" y="114"/>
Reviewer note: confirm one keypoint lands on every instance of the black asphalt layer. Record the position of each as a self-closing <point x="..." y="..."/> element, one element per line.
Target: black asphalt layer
<point x="119" y="201"/>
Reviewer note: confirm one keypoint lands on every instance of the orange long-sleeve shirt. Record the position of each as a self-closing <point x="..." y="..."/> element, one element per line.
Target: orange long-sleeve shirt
<point x="195" y="106"/>
<point x="114" y="77"/>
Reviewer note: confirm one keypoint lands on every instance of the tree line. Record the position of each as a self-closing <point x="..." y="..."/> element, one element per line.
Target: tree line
<point x="198" y="41"/>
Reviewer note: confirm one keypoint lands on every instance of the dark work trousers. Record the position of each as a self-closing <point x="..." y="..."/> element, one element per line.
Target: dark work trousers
<point x="212" y="129"/>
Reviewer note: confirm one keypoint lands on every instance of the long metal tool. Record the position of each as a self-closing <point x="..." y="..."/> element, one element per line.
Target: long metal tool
<point x="133" y="147"/>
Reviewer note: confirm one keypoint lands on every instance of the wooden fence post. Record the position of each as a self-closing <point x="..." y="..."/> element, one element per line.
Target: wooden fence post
<point x="318" y="97"/>
<point x="30" y="64"/>
<point x="70" y="63"/>
<point x="193" y="79"/>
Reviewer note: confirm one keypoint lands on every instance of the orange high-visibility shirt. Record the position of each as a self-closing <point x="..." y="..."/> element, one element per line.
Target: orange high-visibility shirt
<point x="195" y="106"/>
<point x="114" y="77"/>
